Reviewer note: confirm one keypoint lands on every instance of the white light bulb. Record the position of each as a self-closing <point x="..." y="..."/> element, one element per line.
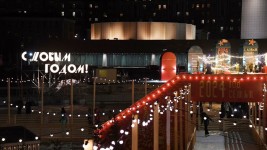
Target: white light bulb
<point x="126" y="132"/>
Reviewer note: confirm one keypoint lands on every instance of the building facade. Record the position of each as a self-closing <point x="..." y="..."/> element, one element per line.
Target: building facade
<point x="213" y="19"/>
<point x="254" y="19"/>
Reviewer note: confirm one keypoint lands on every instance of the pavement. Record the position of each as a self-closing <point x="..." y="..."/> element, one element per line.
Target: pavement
<point x="213" y="142"/>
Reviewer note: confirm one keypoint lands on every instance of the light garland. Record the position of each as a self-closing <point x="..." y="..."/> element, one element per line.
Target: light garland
<point x="123" y="114"/>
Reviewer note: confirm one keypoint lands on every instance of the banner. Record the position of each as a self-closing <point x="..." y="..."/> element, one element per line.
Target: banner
<point x="230" y="88"/>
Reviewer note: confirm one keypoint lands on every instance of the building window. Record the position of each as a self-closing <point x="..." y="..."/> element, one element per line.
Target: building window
<point x="231" y="28"/>
<point x="25" y="11"/>
<point x="144" y="6"/>
<point x="197" y="5"/>
<point x="164" y="6"/>
<point x="96" y="19"/>
<point x="203" y="5"/>
<point x="105" y="15"/>
<point x="121" y="14"/>
<point x="203" y="21"/>
<point x="159" y="6"/>
<point x="154" y="14"/>
<point x="208" y="5"/>
<point x="90" y="5"/>
<point x="90" y="19"/>
<point x="221" y="28"/>
<point x="232" y="20"/>
<point x="73" y="14"/>
<point x="62" y="13"/>
<point x="96" y="6"/>
<point x="62" y="5"/>
<point x="178" y="13"/>
<point x="213" y="20"/>
<point x="187" y="13"/>
<point x="73" y="5"/>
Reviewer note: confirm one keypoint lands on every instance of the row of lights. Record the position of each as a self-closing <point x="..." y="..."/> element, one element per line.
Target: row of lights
<point x="13" y="80"/>
<point x="217" y="77"/>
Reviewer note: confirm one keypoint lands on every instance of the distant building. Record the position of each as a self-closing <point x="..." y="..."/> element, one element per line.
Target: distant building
<point x="254" y="19"/>
<point x="142" y="31"/>
<point x="37" y="27"/>
<point x="213" y="18"/>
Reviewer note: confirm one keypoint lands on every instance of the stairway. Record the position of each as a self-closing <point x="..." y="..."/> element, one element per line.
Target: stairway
<point x="238" y="136"/>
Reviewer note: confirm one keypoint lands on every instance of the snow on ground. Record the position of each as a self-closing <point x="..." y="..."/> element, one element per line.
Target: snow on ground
<point x="213" y="142"/>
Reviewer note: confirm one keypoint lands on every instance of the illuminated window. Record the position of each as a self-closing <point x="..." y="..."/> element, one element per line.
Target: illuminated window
<point x="178" y="13"/>
<point x="187" y="13"/>
<point x="221" y="28"/>
<point x="154" y="14"/>
<point x="25" y="11"/>
<point x="96" y="19"/>
<point x="164" y="6"/>
<point x="62" y="13"/>
<point x="213" y="20"/>
<point x="197" y="5"/>
<point x="90" y="5"/>
<point x="73" y="5"/>
<point x="144" y="6"/>
<point x="96" y="6"/>
<point x="121" y="14"/>
<point x="203" y="21"/>
<point x="73" y="14"/>
<point x="159" y="6"/>
<point x="232" y="20"/>
<point x="105" y="15"/>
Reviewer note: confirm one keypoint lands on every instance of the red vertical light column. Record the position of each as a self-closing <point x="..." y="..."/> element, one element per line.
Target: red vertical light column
<point x="168" y="66"/>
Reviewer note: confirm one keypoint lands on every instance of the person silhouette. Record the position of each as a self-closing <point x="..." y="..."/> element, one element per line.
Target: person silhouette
<point x="205" y="119"/>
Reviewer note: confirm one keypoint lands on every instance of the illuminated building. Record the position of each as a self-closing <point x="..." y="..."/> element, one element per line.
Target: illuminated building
<point x="254" y="19"/>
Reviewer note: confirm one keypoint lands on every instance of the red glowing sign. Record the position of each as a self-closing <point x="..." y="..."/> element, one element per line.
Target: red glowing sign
<point x="237" y="88"/>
